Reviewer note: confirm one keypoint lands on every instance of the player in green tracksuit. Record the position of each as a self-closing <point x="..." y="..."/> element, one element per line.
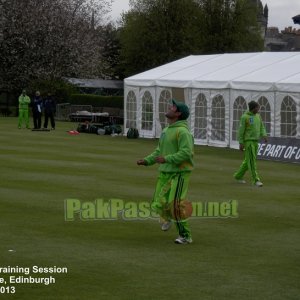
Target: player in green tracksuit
<point x="24" y="102"/>
<point x="174" y="155"/>
<point x="250" y="131"/>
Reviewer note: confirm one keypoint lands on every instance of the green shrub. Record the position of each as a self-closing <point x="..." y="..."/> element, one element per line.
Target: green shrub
<point x="61" y="89"/>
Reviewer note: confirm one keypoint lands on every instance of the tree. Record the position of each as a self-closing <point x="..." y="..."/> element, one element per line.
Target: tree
<point x="48" y="39"/>
<point x="158" y="31"/>
<point x="110" y="67"/>
<point x="155" y="32"/>
<point x="230" y="26"/>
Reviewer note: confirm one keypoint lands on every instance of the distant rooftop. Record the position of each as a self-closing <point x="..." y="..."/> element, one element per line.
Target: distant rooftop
<point x="97" y="83"/>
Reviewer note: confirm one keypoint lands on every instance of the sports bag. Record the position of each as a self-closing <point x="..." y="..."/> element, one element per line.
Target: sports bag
<point x="132" y="133"/>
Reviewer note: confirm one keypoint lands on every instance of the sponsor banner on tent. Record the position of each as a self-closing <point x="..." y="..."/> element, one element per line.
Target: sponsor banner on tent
<point x="280" y="149"/>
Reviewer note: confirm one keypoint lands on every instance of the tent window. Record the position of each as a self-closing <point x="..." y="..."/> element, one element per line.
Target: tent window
<point x="201" y="117"/>
<point x="239" y="107"/>
<point x="164" y="102"/>
<point x="288" y="117"/>
<point x="218" y="119"/>
<point x="265" y="113"/>
<point x="131" y="110"/>
<point x="147" y="111"/>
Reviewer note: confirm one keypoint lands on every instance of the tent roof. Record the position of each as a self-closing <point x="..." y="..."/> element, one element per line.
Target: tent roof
<point x="261" y="71"/>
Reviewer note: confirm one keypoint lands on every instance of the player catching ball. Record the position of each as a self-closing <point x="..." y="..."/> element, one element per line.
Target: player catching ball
<point x="174" y="155"/>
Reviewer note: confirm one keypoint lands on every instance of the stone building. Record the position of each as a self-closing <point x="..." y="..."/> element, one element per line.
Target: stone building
<point x="286" y="40"/>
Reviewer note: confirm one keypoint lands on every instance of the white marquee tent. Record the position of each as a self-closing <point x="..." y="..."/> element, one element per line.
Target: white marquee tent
<point x="217" y="89"/>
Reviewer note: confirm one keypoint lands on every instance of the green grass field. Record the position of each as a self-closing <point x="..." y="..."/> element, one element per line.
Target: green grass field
<point x="254" y="256"/>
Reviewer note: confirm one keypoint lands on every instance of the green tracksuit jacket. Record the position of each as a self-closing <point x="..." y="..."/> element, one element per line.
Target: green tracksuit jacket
<point x="251" y="127"/>
<point x="176" y="145"/>
<point x="24" y="101"/>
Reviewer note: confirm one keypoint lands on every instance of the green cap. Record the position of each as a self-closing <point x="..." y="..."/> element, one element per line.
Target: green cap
<point x="183" y="108"/>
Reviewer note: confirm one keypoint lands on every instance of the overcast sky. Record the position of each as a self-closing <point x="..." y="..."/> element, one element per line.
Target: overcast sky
<point x="280" y="11"/>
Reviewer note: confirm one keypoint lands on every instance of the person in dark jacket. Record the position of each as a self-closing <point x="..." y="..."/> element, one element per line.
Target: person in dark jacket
<point x="37" y="104"/>
<point x="49" y="109"/>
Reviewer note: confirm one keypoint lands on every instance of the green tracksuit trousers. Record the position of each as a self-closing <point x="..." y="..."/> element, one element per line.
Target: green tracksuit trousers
<point x="249" y="163"/>
<point x="23" y="115"/>
<point x="171" y="188"/>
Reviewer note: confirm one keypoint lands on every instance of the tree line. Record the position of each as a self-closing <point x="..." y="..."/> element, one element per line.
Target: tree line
<point x="52" y="39"/>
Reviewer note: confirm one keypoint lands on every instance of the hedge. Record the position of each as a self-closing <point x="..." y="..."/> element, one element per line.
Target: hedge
<point x="97" y="101"/>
